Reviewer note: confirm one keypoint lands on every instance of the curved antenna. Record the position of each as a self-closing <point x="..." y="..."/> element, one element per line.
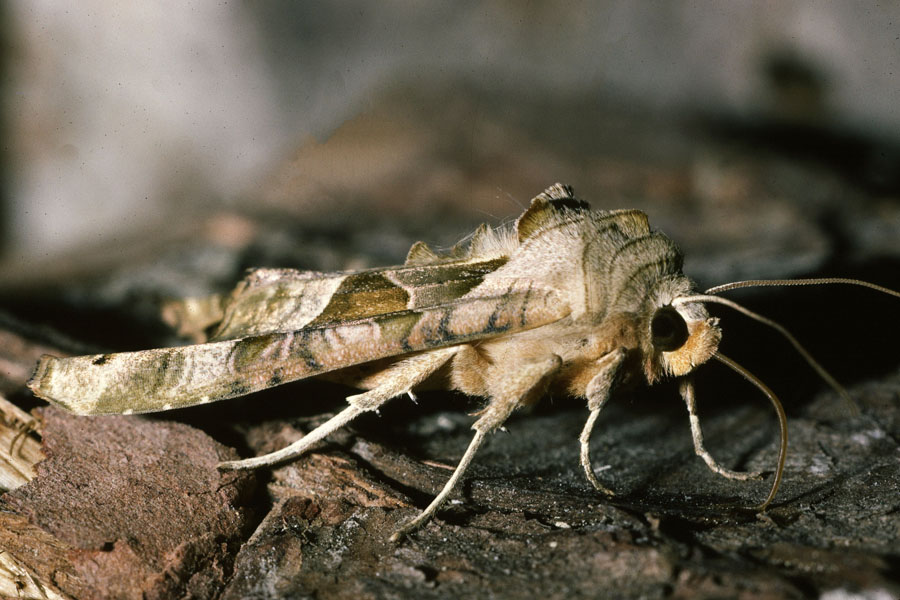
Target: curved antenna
<point x="782" y="421"/>
<point x="780" y="329"/>
<point x="790" y="282"/>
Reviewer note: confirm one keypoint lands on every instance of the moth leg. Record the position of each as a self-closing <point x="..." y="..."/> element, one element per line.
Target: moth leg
<point x="298" y="447"/>
<point x="512" y="392"/>
<point x="23" y="429"/>
<point x="687" y="392"/>
<point x="597" y="392"/>
<point x="398" y="379"/>
<point x="432" y="508"/>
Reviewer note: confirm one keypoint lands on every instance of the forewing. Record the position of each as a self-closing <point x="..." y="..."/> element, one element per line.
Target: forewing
<point x="283" y="300"/>
<point x="161" y="379"/>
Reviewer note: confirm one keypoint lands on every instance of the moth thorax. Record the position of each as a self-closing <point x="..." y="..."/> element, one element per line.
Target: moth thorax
<point x="681" y="338"/>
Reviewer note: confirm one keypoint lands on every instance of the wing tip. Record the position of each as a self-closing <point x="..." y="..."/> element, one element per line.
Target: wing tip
<point x="40" y="376"/>
<point x="41" y="385"/>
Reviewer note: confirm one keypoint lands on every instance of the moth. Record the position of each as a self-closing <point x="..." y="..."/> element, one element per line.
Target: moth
<point x="567" y="299"/>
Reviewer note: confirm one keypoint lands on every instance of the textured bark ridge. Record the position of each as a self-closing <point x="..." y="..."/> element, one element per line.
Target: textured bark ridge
<point x="527" y="524"/>
<point x="127" y="508"/>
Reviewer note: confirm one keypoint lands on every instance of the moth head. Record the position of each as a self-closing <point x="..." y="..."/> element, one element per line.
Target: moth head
<point x="681" y="337"/>
<point x="676" y="337"/>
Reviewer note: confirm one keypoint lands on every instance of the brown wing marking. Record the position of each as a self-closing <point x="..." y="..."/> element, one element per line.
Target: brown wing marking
<point x="160" y="379"/>
<point x="362" y="295"/>
<point x="282" y="300"/>
<point x="440" y="284"/>
<point x="550" y="207"/>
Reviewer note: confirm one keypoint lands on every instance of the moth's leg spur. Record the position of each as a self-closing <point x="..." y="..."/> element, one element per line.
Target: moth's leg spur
<point x="529" y="378"/>
<point x="686" y="387"/>
<point x="597" y="393"/>
<point x="394" y="381"/>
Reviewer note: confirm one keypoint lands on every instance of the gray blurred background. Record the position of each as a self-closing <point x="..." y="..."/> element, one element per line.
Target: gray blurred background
<point x="125" y="120"/>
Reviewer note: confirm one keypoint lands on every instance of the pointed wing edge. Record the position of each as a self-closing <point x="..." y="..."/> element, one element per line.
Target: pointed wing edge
<point x="167" y="378"/>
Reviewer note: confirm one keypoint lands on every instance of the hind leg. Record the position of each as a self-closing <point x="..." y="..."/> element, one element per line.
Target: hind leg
<point x="397" y="379"/>
<point x="512" y="390"/>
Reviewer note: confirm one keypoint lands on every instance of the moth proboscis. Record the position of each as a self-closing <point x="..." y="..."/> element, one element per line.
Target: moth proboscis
<point x="568" y="298"/>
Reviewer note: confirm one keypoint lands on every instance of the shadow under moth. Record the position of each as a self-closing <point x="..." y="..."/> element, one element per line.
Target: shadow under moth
<point x="568" y="299"/>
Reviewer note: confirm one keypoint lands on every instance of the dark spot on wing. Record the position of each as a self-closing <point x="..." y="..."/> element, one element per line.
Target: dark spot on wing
<point x="238" y="388"/>
<point x="442" y="332"/>
<point x="523" y="320"/>
<point x="361" y="295"/>
<point x="494" y="324"/>
<point x="301" y="347"/>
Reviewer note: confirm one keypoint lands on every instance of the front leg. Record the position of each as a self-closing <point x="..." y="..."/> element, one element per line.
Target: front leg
<point x="509" y="391"/>
<point x="687" y="392"/>
<point x="597" y="393"/>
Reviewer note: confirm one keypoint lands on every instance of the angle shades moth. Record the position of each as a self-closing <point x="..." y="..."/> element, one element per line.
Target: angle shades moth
<point x="568" y="298"/>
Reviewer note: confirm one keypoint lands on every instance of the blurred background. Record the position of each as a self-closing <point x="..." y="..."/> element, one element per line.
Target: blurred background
<point x="124" y="120"/>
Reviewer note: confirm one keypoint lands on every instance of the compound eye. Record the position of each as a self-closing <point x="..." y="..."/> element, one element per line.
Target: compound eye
<point x="668" y="331"/>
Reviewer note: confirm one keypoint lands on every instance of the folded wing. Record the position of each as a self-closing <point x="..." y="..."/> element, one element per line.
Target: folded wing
<point x="165" y="378"/>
